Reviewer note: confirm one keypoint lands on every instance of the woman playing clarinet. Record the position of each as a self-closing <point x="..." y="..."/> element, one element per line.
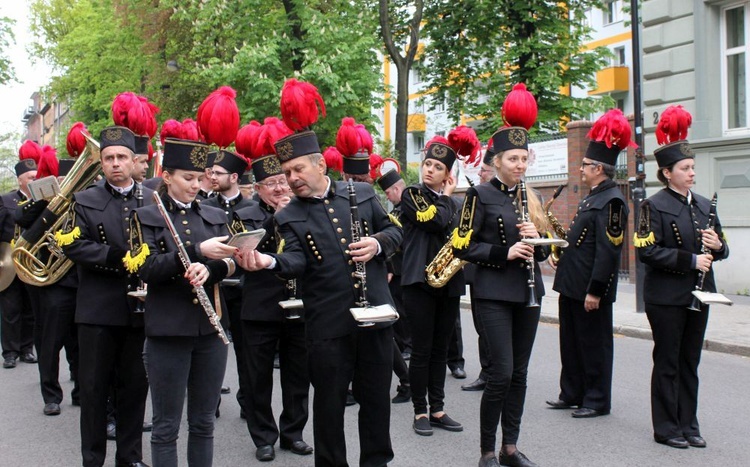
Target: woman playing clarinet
<point x="678" y="249"/>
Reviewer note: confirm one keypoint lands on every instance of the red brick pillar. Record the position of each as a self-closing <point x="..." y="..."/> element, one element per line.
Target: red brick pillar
<point x="577" y="144"/>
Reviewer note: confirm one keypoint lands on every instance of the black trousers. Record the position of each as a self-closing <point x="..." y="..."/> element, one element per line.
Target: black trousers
<point x="455" y="357"/>
<point x="17" y="312"/>
<point x="433" y="318"/>
<point x="54" y="327"/>
<point x="586" y="353"/>
<point x="678" y="341"/>
<point x="484" y="350"/>
<point x="234" y="310"/>
<point x="104" y="350"/>
<point x="510" y="329"/>
<point x="401" y="328"/>
<point x="261" y="339"/>
<point x="364" y="358"/>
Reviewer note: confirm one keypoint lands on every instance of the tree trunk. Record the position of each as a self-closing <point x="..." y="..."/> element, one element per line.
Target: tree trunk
<point x="402" y="114"/>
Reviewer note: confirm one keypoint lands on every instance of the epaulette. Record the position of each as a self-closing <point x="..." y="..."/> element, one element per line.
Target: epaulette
<point x="425" y="211"/>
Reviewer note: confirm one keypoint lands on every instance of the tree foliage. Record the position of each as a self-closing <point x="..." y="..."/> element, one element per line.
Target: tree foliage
<point x="105" y="47"/>
<point x="478" y="49"/>
<point x="7" y="38"/>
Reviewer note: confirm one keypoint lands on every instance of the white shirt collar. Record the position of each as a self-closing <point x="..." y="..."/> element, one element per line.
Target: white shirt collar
<point x="123" y="191"/>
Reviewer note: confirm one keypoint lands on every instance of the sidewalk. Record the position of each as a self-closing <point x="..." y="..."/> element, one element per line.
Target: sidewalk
<point x="728" y="328"/>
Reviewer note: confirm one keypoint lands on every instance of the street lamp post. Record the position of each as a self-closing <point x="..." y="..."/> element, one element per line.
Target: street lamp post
<point x="638" y="193"/>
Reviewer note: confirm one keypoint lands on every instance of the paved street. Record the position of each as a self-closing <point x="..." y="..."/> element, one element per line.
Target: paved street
<point x="551" y="438"/>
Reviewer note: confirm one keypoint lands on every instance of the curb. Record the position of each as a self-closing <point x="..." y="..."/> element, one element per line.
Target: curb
<point x="640" y="333"/>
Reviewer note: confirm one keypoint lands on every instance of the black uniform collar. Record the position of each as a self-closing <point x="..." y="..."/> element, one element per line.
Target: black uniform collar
<point x="605" y="185"/>
<point x="172" y="206"/>
<point x="678" y="196"/>
<point x="265" y="206"/>
<point x="117" y="194"/>
<point x="503" y="187"/>
<point x="223" y="201"/>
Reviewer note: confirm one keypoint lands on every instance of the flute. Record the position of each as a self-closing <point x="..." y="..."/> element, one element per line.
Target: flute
<point x="213" y="318"/>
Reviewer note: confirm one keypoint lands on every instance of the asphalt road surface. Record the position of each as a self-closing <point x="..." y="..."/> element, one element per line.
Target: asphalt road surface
<point x="548" y="437"/>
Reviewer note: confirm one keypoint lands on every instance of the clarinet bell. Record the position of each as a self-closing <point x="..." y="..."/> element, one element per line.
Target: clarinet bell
<point x="532" y="302"/>
<point x="695" y="305"/>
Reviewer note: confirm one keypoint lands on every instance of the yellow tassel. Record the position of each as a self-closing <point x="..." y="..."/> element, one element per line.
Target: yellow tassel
<point x="133" y="263"/>
<point x="280" y="249"/>
<point x="724" y="237"/>
<point x="12" y="243"/>
<point x="460" y="242"/>
<point x="395" y="220"/>
<point x="427" y="214"/>
<point x="65" y="239"/>
<point x="616" y="240"/>
<point x="640" y="242"/>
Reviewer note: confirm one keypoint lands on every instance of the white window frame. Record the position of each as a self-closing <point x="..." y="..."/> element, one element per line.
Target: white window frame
<point x="616" y="12"/>
<point x="725" y="74"/>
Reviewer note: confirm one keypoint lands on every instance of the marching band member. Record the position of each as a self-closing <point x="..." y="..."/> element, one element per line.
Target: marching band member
<point x="110" y="334"/>
<point x="674" y="243"/>
<point x="317" y="234"/>
<point x="428" y="214"/>
<point x="182" y="351"/>
<point x="264" y="326"/>
<point x="489" y="235"/>
<point x="587" y="275"/>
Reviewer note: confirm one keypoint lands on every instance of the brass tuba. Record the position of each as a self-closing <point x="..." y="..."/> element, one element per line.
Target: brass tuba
<point x="556" y="226"/>
<point x="38" y="259"/>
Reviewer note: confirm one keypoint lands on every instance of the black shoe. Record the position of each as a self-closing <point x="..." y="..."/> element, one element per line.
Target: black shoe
<point x="265" y="453"/>
<point x="28" y="357"/>
<point x="132" y="464"/>
<point x="242" y="414"/>
<point x="696" y="441"/>
<point x="560" y="404"/>
<point x="517" y="459"/>
<point x="75" y="402"/>
<point x="350" y="400"/>
<point x="585" y="412"/>
<point x="446" y="423"/>
<point x="297" y="447"/>
<point x="477" y="385"/>
<point x="458" y="373"/>
<point x="422" y="426"/>
<point x="111" y="431"/>
<point x="678" y="442"/>
<point x="225" y="390"/>
<point x="489" y="462"/>
<point x="53" y="408"/>
<point x="10" y="362"/>
<point x="403" y="394"/>
<point x="148" y="427"/>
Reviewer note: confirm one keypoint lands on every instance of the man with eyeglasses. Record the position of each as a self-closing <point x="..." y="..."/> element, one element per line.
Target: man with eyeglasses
<point x="224" y="176"/>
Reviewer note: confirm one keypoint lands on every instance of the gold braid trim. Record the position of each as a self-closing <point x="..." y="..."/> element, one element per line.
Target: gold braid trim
<point x="640" y="242"/>
<point x="395" y="220"/>
<point x="618" y="239"/>
<point x="133" y="263"/>
<point x="280" y="249"/>
<point x="425" y="211"/>
<point x="65" y="239"/>
<point x="459" y="241"/>
<point x="462" y="234"/>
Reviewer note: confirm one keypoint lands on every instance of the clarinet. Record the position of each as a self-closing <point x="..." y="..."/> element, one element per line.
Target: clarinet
<point x="696" y="304"/>
<point x="359" y="273"/>
<point x="213" y="318"/>
<point x="531" y="301"/>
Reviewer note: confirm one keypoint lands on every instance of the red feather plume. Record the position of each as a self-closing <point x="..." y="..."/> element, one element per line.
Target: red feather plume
<point x="135" y="113"/>
<point x="150" y="150"/>
<point x="519" y="108"/>
<point x="376" y="162"/>
<point x="673" y="125"/>
<point x="247" y="139"/>
<point x="300" y="104"/>
<point x="612" y="128"/>
<point x="170" y="129"/>
<point x="334" y="159"/>
<point x="348" y="140"/>
<point x="30" y="150"/>
<point x="438" y="139"/>
<point x="189" y="130"/>
<point x="75" y="143"/>
<point x="365" y="138"/>
<point x="272" y="130"/>
<point x="219" y="117"/>
<point x="48" y="163"/>
<point x="464" y="141"/>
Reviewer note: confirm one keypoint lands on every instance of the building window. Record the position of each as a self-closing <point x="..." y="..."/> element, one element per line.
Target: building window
<point x="734" y="66"/>
<point x="612" y="11"/>
<point x="418" y="144"/>
<point x="619" y="56"/>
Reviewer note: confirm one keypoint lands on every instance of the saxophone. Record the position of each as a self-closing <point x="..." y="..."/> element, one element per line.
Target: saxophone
<point x="556" y="226"/>
<point x="443" y="267"/>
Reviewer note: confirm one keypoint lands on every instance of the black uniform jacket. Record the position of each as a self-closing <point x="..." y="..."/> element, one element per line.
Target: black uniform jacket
<point x="396" y="261"/>
<point x="428" y="220"/>
<point x="172" y="307"/>
<point x="264" y="289"/>
<point x="490" y="213"/>
<point x="667" y="238"/>
<point x="8" y="205"/>
<point x="591" y="262"/>
<point x="316" y="234"/>
<point x="103" y="217"/>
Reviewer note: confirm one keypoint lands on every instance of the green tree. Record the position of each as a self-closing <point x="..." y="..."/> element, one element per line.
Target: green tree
<point x="7" y="74"/>
<point x="400" y="24"/>
<point x="478" y="49"/>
